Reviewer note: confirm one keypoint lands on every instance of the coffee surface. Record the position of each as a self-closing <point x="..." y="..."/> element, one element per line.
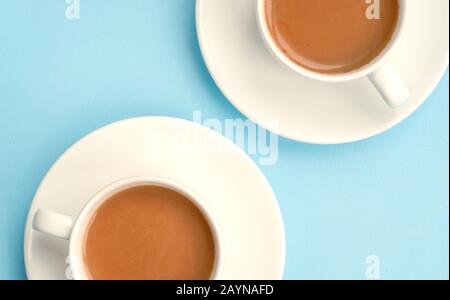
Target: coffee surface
<point x="331" y="36"/>
<point x="149" y="232"/>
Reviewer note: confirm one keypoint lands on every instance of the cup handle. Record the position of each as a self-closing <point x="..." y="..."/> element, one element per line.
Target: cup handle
<point x="53" y="223"/>
<point x="390" y="86"/>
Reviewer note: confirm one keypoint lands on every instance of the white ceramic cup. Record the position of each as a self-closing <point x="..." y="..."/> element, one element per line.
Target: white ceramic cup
<point x="382" y="75"/>
<point x="74" y="230"/>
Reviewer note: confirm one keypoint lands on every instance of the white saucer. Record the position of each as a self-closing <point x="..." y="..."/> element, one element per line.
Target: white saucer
<point x="303" y="109"/>
<point x="236" y="192"/>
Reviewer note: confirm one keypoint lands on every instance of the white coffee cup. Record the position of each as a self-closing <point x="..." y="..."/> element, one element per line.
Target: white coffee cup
<point x="74" y="230"/>
<point x="382" y="75"/>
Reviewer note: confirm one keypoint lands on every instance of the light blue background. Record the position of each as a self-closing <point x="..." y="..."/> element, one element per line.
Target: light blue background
<point x="61" y="79"/>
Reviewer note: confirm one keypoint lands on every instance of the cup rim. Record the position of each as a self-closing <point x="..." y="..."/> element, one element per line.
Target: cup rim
<point x="365" y="70"/>
<point x="76" y="264"/>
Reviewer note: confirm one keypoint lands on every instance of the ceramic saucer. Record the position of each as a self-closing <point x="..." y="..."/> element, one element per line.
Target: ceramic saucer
<point x="236" y="191"/>
<point x="306" y="110"/>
